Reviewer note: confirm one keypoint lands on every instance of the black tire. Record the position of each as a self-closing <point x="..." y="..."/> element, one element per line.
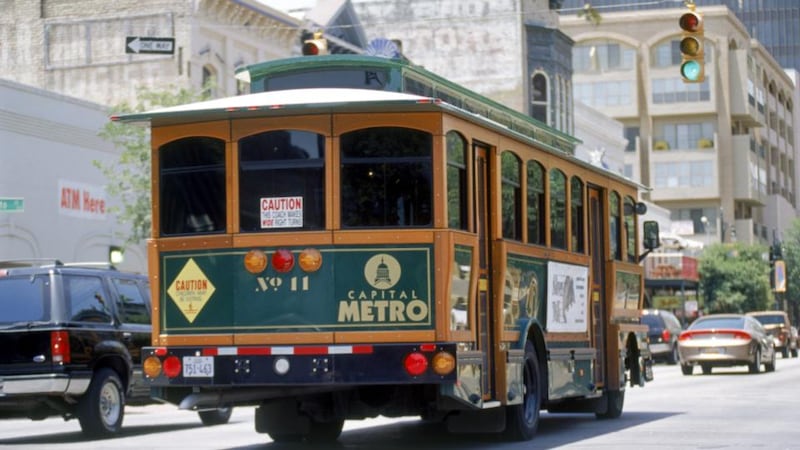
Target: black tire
<point x="794" y="353"/>
<point x="325" y="432"/>
<point x="755" y="365"/>
<point x="217" y="416"/>
<point x="770" y="366"/>
<point x="615" y="401"/>
<point x="673" y="356"/>
<point x="706" y="369"/>
<point x="785" y="352"/>
<point x="687" y="369"/>
<point x="522" y="420"/>
<point x="102" y="408"/>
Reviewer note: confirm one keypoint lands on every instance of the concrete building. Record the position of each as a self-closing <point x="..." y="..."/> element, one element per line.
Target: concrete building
<point x="79" y="48"/>
<point x="55" y="206"/>
<point x="720" y="155"/>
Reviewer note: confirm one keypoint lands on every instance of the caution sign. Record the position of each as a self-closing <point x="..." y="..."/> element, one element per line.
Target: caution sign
<point x="282" y="212"/>
<point x="191" y="290"/>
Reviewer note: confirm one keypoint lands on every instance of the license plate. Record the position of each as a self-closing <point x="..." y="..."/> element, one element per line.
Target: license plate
<point x="198" y="366"/>
<point x="718" y="350"/>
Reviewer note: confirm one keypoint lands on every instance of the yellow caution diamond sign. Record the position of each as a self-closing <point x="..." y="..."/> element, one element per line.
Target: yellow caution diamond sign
<point x="191" y="290"/>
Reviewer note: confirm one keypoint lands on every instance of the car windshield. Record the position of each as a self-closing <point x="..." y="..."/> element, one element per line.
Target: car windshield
<point x="651" y="320"/>
<point x="24" y="299"/>
<point x="717" y="322"/>
<point x="774" y="319"/>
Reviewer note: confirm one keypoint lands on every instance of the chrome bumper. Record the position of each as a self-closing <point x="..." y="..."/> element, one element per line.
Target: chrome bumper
<point x="47" y="384"/>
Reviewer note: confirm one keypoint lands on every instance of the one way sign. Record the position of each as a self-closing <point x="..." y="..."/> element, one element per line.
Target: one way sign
<point x="137" y="44"/>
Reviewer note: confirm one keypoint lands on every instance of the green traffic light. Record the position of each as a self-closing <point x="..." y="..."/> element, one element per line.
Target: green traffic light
<point x="691" y="70"/>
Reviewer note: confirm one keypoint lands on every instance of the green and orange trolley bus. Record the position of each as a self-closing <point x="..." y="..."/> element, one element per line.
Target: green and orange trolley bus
<point x="360" y="237"/>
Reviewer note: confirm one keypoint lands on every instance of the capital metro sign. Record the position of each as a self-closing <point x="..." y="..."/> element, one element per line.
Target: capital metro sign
<point x="150" y="45"/>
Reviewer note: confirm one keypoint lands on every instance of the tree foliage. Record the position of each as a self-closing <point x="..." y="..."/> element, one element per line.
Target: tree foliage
<point x="735" y="278"/>
<point x="791" y="255"/>
<point x="129" y="177"/>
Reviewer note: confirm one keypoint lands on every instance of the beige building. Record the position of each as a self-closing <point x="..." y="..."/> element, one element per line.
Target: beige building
<point x="719" y="155"/>
<point x="80" y="48"/>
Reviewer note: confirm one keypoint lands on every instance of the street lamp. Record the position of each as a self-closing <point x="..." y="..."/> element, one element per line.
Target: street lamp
<point x="704" y="219"/>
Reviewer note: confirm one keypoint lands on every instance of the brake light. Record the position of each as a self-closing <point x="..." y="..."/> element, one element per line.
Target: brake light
<point x="665" y="335"/>
<point x="733" y="334"/>
<point x="59" y="347"/>
<point x="172" y="366"/>
<point x="282" y="260"/>
<point x="415" y="364"/>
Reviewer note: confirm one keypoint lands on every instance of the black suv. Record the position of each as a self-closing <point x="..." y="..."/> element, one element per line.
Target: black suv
<point x="663" y="334"/>
<point x="70" y="343"/>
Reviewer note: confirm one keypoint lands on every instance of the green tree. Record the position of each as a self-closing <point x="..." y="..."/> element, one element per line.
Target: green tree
<point x="791" y="256"/>
<point x="735" y="278"/>
<point x="129" y="178"/>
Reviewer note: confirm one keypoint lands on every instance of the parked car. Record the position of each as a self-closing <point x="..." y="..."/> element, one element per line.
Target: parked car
<point x="778" y="326"/>
<point x="663" y="334"/>
<point x="725" y="340"/>
<point x="70" y="344"/>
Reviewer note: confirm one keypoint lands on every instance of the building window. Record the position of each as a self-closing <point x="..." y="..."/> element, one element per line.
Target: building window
<point x="604" y="93"/>
<point x="599" y="57"/>
<point x="684" y="174"/>
<point x="675" y="90"/>
<point x="687" y="136"/>
<point x="539" y="97"/>
<point x="209" y="85"/>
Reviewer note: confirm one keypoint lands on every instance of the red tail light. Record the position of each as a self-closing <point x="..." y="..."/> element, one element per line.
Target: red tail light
<point x="665" y="335"/>
<point x="59" y="347"/>
<point x="734" y="334"/>
<point x="415" y="364"/>
<point x="172" y="366"/>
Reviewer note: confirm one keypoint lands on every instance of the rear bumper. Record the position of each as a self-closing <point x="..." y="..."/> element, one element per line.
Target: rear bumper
<point x="43" y="384"/>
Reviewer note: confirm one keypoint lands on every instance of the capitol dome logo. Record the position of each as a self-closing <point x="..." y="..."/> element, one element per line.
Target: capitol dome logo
<point x="382" y="271"/>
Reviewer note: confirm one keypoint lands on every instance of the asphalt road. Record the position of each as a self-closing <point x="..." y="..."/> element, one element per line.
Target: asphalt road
<point x="729" y="409"/>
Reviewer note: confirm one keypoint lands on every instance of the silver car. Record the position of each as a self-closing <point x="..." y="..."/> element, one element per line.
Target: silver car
<point x="725" y="340"/>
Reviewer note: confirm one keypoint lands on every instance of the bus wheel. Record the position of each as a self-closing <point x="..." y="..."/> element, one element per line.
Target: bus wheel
<point x="522" y="420"/>
<point x="614" y="402"/>
<point x="325" y="432"/>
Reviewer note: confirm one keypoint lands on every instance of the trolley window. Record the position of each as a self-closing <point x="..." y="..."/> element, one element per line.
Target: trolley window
<point x="386" y="178"/>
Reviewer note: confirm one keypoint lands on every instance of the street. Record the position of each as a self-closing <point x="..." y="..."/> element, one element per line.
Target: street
<point x="727" y="409"/>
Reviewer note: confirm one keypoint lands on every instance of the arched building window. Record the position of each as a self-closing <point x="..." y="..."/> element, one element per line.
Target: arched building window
<point x="539" y="97"/>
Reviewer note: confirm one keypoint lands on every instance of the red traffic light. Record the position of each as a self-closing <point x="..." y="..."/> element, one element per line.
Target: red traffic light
<point x="310" y="48"/>
<point x="316" y="46"/>
<point x="691" y="22"/>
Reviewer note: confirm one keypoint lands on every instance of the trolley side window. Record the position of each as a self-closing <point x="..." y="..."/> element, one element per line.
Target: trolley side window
<point x="282" y="181"/>
<point x="615" y="243"/>
<point x="630" y="229"/>
<point x="576" y="216"/>
<point x="386" y="178"/>
<point x="536" y="205"/>
<point x="192" y="194"/>
<point x="511" y="190"/>
<point x="558" y="209"/>
<point x="456" y="181"/>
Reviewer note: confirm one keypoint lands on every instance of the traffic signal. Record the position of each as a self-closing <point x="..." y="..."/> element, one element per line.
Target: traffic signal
<point x="315" y="46"/>
<point x="692" y="53"/>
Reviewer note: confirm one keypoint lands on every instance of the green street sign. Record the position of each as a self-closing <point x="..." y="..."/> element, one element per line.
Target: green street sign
<point x="12" y="204"/>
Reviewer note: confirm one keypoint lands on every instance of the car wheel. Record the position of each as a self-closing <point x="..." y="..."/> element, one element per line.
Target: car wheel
<point x="673" y="356"/>
<point x="706" y="369"/>
<point x="755" y="366"/>
<point x="785" y="352"/>
<point x="687" y="369"/>
<point x="794" y="353"/>
<point x="770" y="366"/>
<point x="101" y="409"/>
<point x="217" y="416"/>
